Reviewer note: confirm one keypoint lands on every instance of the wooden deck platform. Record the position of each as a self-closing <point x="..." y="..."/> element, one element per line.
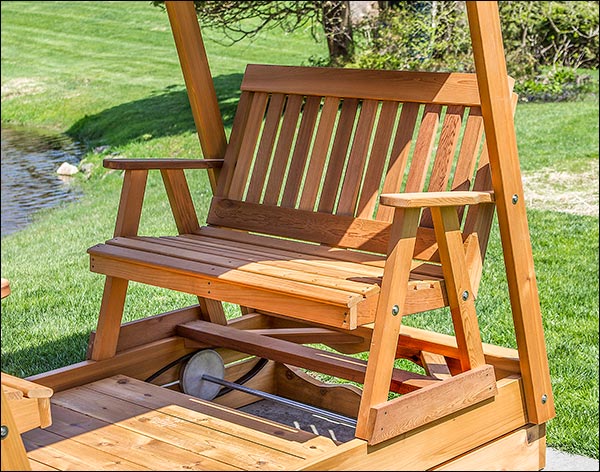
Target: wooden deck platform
<point x="120" y="423"/>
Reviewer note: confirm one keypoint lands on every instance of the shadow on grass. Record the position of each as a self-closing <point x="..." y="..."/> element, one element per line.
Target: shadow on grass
<point x="164" y="113"/>
<point x="46" y="356"/>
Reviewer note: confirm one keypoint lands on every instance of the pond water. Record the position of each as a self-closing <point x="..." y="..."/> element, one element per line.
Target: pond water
<point x="29" y="179"/>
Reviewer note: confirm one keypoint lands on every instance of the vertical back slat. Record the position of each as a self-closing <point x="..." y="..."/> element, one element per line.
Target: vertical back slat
<point x="300" y="154"/>
<point x="282" y="151"/>
<point x="233" y="148"/>
<point x="338" y="155"/>
<point x="399" y="155"/>
<point x="248" y="146"/>
<point x="357" y="159"/>
<point x="423" y="147"/>
<point x="265" y="148"/>
<point x="469" y="149"/>
<point x="377" y="160"/>
<point x="319" y="152"/>
<point x="444" y="156"/>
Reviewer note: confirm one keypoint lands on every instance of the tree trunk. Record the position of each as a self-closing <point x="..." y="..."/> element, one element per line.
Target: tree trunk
<point x="338" y="31"/>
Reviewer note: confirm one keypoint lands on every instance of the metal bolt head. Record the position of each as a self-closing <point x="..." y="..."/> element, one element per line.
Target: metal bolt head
<point x="515" y="199"/>
<point x="3" y="431"/>
<point x="395" y="310"/>
<point x="544" y="399"/>
<point x="465" y="295"/>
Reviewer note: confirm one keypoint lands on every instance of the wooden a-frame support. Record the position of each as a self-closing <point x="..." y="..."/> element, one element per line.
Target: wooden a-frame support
<point x="490" y="64"/>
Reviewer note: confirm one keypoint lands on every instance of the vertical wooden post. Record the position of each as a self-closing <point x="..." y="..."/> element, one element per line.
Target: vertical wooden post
<point x="13" y="453"/>
<point x="496" y="107"/>
<point x="198" y="81"/>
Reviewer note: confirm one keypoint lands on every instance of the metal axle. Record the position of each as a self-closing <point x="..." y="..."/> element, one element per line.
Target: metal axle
<point x="285" y="401"/>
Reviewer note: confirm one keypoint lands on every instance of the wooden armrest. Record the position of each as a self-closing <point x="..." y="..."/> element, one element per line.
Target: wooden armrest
<point x="29" y="389"/>
<point x="5" y="288"/>
<point x="435" y="199"/>
<point x="156" y="163"/>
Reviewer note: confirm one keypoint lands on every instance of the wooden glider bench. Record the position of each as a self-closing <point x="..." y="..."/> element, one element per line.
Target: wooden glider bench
<point x="346" y="200"/>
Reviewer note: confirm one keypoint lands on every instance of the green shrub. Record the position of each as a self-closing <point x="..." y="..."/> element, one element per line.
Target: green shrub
<point x="546" y="43"/>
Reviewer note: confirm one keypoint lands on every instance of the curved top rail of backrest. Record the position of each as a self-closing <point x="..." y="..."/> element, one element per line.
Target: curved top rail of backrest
<point x="402" y="86"/>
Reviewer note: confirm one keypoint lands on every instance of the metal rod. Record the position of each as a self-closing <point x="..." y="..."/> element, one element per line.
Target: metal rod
<point x="278" y="399"/>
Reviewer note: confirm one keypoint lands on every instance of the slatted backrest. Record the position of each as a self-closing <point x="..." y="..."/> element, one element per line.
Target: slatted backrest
<point x="312" y="149"/>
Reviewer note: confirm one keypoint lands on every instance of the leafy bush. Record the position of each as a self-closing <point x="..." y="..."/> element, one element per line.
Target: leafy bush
<point x="546" y="43"/>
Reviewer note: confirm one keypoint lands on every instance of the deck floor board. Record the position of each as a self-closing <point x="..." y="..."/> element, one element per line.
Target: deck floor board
<point x="120" y="423"/>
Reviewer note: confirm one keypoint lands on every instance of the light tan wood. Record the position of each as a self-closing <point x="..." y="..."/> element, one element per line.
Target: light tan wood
<point x="524" y="449"/>
<point x="29" y="389"/>
<point x="26" y="413"/>
<point x="438" y="442"/>
<point x="389" y="316"/>
<point x="12" y="393"/>
<point x="52" y="450"/>
<point x="496" y="107"/>
<point x="198" y="81"/>
<point x="13" y="452"/>
<point x="35" y="465"/>
<point x="161" y="163"/>
<point x="436" y="199"/>
<point x="419" y="87"/>
<point x="431" y="403"/>
<point x="458" y="287"/>
<point x="5" y="287"/>
<point x="320" y="311"/>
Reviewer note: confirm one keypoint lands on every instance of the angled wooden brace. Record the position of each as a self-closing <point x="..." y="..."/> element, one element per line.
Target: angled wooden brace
<point x="127" y="224"/>
<point x="378" y="418"/>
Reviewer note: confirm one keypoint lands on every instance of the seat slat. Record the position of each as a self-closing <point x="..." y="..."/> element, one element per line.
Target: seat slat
<point x="305" y="262"/>
<point x="209" y="267"/>
<point x="285" y="270"/>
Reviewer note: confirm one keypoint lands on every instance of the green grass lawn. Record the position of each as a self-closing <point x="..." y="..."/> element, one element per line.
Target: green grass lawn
<point x="106" y="73"/>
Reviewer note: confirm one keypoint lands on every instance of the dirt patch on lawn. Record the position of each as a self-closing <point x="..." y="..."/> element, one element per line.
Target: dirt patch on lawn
<point x="21" y="86"/>
<point x="569" y="192"/>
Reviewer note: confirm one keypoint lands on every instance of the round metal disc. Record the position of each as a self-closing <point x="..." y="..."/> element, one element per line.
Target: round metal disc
<point x="203" y="362"/>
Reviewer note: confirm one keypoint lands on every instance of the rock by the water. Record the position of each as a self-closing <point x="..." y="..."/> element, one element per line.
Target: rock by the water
<point x="67" y="169"/>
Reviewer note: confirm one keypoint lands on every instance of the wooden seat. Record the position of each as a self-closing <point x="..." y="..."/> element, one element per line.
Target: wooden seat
<point x="345" y="198"/>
